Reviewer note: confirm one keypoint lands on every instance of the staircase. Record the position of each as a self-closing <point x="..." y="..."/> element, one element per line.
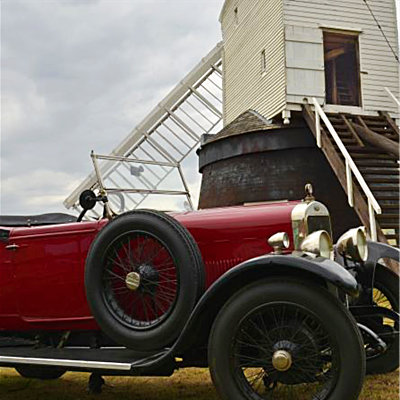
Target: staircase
<point x="379" y="169"/>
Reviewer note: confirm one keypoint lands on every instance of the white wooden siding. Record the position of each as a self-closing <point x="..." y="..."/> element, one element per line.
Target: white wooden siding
<point x="257" y="28"/>
<point x="377" y="63"/>
<point x="304" y="63"/>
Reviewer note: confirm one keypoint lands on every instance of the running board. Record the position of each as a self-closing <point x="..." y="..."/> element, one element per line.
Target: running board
<point x="107" y="361"/>
<point x="90" y="365"/>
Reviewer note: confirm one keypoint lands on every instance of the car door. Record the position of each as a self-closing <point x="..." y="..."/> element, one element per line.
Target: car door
<point x="9" y="317"/>
<point x="49" y="273"/>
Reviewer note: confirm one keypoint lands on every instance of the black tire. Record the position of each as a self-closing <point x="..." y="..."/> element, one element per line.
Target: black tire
<point x="247" y="334"/>
<point x="40" y="372"/>
<point x="386" y="294"/>
<point x="166" y="261"/>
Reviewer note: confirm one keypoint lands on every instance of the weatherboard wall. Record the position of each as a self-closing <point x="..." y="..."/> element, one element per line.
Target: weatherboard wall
<point x="291" y="33"/>
<point x="246" y="33"/>
<point x="305" y="21"/>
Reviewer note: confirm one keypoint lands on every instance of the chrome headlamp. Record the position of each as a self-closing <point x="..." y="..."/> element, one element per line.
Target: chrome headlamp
<point x="353" y="244"/>
<point x="318" y="243"/>
<point x="279" y="241"/>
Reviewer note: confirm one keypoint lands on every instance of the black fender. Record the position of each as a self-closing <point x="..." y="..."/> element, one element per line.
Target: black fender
<point x="365" y="271"/>
<point x="196" y="331"/>
<point x="378" y="250"/>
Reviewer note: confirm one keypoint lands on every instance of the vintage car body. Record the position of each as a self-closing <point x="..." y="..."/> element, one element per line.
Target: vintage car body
<point x="72" y="284"/>
<point x="42" y="277"/>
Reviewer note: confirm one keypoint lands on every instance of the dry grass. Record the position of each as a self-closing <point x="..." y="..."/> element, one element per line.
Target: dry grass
<point x="186" y="384"/>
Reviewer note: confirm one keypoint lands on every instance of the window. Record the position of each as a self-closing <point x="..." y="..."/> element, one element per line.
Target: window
<point x="263" y="62"/>
<point x="342" y="69"/>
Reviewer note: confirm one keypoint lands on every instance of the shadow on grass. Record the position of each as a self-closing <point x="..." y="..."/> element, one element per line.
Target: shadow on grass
<point x="188" y="384"/>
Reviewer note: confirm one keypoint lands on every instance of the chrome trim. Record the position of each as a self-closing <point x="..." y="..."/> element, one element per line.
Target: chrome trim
<point x="66" y="363"/>
<point x="300" y="213"/>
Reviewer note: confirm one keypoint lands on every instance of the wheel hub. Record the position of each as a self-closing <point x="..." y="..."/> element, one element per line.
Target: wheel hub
<point x="149" y="277"/>
<point x="132" y="281"/>
<point x="281" y="360"/>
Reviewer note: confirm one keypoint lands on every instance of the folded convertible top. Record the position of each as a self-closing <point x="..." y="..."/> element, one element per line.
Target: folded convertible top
<point x="36" y="220"/>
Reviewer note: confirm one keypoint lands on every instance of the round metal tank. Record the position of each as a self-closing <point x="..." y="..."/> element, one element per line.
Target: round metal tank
<point x="260" y="162"/>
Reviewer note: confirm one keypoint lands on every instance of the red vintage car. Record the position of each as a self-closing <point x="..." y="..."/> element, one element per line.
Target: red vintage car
<point x="257" y="293"/>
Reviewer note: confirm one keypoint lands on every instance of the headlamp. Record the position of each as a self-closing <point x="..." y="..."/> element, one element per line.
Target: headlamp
<point x="353" y="244"/>
<point x="319" y="243"/>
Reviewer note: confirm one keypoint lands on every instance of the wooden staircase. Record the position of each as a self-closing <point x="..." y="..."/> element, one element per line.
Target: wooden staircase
<point x="379" y="169"/>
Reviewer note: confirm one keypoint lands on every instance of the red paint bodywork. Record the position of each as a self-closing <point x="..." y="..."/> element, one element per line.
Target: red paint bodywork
<point x="42" y="282"/>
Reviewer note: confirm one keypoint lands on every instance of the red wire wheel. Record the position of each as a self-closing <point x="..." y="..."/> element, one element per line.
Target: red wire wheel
<point x="143" y="277"/>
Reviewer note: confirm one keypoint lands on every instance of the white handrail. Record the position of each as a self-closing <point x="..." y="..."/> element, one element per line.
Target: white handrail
<point x="395" y="99"/>
<point x="351" y="168"/>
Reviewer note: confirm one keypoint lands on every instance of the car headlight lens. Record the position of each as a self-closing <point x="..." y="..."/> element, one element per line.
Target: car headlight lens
<point x="319" y="243"/>
<point x="353" y="244"/>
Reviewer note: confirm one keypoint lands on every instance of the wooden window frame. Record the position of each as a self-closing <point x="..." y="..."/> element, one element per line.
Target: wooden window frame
<point x="355" y="34"/>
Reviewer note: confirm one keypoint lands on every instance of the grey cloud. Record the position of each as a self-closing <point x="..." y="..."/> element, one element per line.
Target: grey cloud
<point x="78" y="75"/>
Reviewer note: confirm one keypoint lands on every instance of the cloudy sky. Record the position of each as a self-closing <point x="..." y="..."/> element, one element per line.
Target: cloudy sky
<point x="80" y="74"/>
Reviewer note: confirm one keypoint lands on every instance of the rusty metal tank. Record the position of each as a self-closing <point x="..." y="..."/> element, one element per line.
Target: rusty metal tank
<point x="255" y="160"/>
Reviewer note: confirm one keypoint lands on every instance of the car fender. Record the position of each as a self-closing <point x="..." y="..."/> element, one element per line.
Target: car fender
<point x="378" y="250"/>
<point x="196" y="331"/>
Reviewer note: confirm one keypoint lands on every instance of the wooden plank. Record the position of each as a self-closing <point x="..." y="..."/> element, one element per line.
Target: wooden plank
<point x="390" y="121"/>
<point x="352" y="130"/>
<point x="377" y="140"/>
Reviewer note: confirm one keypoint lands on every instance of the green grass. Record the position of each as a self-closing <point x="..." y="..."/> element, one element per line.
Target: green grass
<point x="187" y="384"/>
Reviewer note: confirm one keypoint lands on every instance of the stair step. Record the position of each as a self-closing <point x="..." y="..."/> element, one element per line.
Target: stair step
<point x="388" y="225"/>
<point x="375" y="122"/>
<point x="384" y="188"/>
<point x="365" y="150"/>
<point x="374" y="156"/>
<point x="387" y="196"/>
<point x="378" y="163"/>
<point x="386" y="179"/>
<point x="380" y="171"/>
<point x="393" y="206"/>
<point x="389" y="216"/>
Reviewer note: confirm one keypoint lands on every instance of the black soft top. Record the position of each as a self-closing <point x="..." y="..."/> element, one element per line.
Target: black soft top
<point x="36" y="220"/>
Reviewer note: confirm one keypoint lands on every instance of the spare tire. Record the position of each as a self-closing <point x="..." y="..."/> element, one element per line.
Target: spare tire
<point x="143" y="276"/>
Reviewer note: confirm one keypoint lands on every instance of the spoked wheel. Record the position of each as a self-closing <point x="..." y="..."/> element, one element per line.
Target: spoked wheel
<point x="143" y="277"/>
<point x="385" y="294"/>
<point x="140" y="280"/>
<point x="284" y="340"/>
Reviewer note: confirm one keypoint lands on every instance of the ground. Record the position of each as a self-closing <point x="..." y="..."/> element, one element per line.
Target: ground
<point x="186" y="384"/>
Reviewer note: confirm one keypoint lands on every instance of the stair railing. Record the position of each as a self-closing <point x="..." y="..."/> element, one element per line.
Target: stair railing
<point x="394" y="98"/>
<point x="351" y="168"/>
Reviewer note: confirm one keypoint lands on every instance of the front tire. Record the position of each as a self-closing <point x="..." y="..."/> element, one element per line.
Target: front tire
<point x="286" y="339"/>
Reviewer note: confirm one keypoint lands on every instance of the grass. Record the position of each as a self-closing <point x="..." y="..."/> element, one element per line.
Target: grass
<point x="187" y="384"/>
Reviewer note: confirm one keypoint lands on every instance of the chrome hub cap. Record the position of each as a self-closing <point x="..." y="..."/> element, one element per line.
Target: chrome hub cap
<point x="132" y="280"/>
<point x="281" y="360"/>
